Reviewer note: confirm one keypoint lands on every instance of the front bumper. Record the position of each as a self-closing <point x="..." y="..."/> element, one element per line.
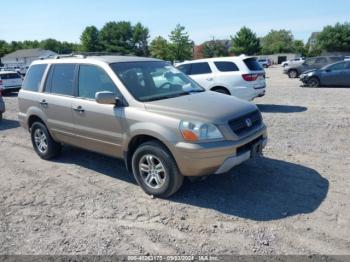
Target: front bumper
<point x="215" y="157"/>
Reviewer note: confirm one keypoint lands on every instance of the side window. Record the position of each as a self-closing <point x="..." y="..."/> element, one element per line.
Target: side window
<point x="185" y="68"/>
<point x="62" y="79"/>
<point x="321" y="60"/>
<point x="200" y="68"/>
<point x="310" y="61"/>
<point x="33" y="78"/>
<point x="93" y="79"/>
<point x="226" y="66"/>
<point x="336" y="67"/>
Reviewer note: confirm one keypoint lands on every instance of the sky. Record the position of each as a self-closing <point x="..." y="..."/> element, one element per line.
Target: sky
<point x="65" y="20"/>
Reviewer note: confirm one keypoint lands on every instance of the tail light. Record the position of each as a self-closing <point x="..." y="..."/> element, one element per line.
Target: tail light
<point x="250" y="77"/>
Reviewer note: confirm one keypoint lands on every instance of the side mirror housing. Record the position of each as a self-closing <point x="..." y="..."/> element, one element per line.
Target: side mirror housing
<point x="106" y="98"/>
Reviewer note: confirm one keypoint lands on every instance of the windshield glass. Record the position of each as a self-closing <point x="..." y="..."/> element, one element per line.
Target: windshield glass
<point x="149" y="81"/>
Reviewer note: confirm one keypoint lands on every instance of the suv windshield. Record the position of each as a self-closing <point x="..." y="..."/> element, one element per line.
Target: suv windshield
<point x="149" y="81"/>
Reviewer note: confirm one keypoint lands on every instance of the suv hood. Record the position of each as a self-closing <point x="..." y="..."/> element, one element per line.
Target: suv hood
<point x="205" y="106"/>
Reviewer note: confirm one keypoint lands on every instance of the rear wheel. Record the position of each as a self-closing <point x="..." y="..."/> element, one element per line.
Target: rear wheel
<point x="293" y="73"/>
<point x="42" y="141"/>
<point x="0" y="116"/>
<point x="155" y="170"/>
<point x="313" y="82"/>
<point x="221" y="90"/>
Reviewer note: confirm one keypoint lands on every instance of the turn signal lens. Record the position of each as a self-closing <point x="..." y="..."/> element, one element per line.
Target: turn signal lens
<point x="189" y="135"/>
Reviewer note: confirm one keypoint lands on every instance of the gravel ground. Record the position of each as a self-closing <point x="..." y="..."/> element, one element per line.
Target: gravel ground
<point x="294" y="200"/>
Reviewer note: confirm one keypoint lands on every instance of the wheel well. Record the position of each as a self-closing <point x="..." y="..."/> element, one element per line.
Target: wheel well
<point x="32" y="119"/>
<point x="220" y="87"/>
<point x="133" y="145"/>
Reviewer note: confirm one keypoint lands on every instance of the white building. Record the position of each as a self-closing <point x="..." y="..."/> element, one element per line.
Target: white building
<point x="24" y="57"/>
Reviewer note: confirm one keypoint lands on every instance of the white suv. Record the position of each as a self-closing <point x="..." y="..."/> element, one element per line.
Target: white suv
<point x="241" y="76"/>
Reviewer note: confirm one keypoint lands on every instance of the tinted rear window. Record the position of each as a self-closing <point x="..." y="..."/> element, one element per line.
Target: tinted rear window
<point x="33" y="78"/>
<point x="62" y="79"/>
<point x="200" y="68"/>
<point x="10" y="76"/>
<point x="226" y="66"/>
<point x="252" y="64"/>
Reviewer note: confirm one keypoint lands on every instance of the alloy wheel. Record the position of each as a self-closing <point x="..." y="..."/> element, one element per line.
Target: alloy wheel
<point x="152" y="171"/>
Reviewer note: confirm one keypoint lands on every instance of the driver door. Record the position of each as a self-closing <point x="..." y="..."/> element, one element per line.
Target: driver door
<point x="98" y="126"/>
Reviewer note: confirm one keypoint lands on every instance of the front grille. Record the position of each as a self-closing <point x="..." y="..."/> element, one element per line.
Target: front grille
<point x="246" y="123"/>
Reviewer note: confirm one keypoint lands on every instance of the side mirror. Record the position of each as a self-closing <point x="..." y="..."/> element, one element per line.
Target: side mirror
<point x="328" y="70"/>
<point x="106" y="98"/>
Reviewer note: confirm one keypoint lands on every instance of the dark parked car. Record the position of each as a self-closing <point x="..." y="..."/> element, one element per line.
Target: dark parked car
<point x="294" y="71"/>
<point x="337" y="74"/>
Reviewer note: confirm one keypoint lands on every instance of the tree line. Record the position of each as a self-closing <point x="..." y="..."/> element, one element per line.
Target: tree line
<point x="126" y="38"/>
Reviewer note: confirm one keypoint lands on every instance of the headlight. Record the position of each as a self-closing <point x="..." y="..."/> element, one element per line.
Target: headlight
<point x="196" y="131"/>
<point x="310" y="74"/>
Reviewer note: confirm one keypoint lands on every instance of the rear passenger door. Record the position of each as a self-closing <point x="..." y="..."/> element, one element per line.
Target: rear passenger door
<point x="57" y="100"/>
<point x="98" y="126"/>
<point x="202" y="74"/>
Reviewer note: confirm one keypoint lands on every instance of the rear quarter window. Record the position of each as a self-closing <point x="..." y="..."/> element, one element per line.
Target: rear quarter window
<point x="33" y="78"/>
<point x="252" y="64"/>
<point x="185" y="68"/>
<point x="226" y="66"/>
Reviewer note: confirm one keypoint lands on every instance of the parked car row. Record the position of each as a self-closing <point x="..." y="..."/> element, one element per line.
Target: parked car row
<point x="321" y="71"/>
<point x="162" y="123"/>
<point x="337" y="74"/>
<point x="295" y="70"/>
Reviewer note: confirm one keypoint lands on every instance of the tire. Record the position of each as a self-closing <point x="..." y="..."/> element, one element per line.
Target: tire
<point x="313" y="82"/>
<point x="293" y="73"/>
<point x="0" y="116"/>
<point x="221" y="90"/>
<point x="43" y="143"/>
<point x="162" y="183"/>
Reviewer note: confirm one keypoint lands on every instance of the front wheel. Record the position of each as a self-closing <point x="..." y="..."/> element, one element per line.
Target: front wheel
<point x="155" y="170"/>
<point x="293" y="74"/>
<point x="313" y="82"/>
<point x="42" y="141"/>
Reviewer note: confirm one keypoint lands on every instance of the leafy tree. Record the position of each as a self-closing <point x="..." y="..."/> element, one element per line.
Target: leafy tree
<point x="181" y="46"/>
<point x="4" y="48"/>
<point x="214" y="48"/>
<point x="90" y="39"/>
<point x="140" y="39"/>
<point x="122" y="37"/>
<point x="277" y="41"/>
<point x="299" y="47"/>
<point x="160" y="48"/>
<point x="51" y="44"/>
<point x="245" y="42"/>
<point x="335" y="38"/>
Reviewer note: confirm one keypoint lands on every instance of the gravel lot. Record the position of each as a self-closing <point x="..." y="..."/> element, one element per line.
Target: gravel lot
<point x="294" y="200"/>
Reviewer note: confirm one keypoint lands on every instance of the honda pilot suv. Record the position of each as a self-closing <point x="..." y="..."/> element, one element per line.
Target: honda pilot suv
<point x="145" y="111"/>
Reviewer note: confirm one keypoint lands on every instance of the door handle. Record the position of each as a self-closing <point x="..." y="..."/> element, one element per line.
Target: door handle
<point x="78" y="109"/>
<point x="43" y="102"/>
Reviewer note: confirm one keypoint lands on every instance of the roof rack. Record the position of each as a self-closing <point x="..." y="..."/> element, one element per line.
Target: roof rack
<point x="83" y="55"/>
